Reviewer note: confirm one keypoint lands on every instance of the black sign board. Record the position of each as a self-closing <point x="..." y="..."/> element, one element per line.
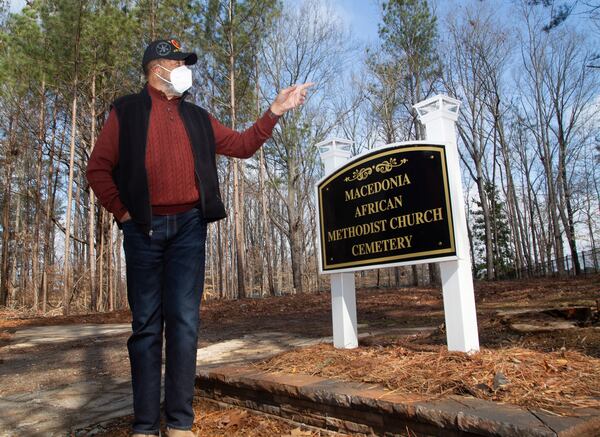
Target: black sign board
<point x="386" y="207"/>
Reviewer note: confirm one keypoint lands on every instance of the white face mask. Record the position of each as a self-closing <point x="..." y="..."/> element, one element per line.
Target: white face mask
<point x="181" y="78"/>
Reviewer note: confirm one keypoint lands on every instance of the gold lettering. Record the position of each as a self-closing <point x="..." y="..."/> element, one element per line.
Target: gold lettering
<point x="376" y="187"/>
<point x="397" y="202"/>
<point x="357" y="230"/>
<point x="379" y="206"/>
<point x="419" y="218"/>
<point x="416" y="218"/>
<point x="382" y="245"/>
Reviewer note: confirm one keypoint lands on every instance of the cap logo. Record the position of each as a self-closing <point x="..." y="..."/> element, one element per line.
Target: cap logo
<point x="163" y="48"/>
<point x="176" y="44"/>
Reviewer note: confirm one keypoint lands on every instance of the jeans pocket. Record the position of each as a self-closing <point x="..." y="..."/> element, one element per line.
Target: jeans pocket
<point x="128" y="226"/>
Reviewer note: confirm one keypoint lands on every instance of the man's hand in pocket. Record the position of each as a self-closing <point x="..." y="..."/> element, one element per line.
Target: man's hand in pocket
<point x="125" y="217"/>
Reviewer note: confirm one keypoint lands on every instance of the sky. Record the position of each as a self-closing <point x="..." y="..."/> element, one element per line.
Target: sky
<point x="16" y="5"/>
<point x="361" y="15"/>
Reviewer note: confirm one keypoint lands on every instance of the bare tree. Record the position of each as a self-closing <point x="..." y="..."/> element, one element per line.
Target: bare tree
<point x="469" y="45"/>
<point x="304" y="45"/>
<point x="571" y="90"/>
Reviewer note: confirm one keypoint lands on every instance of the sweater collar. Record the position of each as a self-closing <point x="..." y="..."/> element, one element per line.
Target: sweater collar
<point x="149" y="92"/>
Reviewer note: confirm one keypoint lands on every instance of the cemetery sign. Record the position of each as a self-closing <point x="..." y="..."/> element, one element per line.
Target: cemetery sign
<point x="387" y="207"/>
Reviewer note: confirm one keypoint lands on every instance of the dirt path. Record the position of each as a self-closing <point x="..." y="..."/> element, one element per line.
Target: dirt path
<point x="67" y="377"/>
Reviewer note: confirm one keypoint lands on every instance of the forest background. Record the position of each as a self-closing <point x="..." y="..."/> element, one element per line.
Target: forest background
<point x="526" y="72"/>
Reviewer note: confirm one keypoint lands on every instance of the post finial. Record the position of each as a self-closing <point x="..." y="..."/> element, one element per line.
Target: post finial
<point x="439" y="105"/>
<point x="334" y="152"/>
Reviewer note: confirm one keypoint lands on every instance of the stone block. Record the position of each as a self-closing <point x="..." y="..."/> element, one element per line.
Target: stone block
<point x="442" y="413"/>
<point x="341" y="425"/>
<point x="587" y="424"/>
<point x="489" y="418"/>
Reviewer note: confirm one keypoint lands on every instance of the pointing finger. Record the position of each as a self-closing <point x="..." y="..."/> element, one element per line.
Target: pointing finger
<point x="306" y="85"/>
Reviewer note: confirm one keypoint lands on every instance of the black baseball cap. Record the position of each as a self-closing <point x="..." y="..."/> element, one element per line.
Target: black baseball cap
<point x="167" y="49"/>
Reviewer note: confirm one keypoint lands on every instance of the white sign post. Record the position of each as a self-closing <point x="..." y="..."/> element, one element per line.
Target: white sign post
<point x="335" y="153"/>
<point x="439" y="115"/>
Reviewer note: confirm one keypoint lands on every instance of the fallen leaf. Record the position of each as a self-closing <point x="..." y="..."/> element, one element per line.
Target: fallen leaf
<point x="500" y="380"/>
<point x="232" y="419"/>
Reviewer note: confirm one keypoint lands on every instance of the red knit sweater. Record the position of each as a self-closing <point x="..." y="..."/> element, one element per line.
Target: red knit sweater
<point x="169" y="160"/>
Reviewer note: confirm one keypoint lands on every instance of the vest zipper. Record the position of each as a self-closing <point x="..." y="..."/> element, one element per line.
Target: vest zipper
<point x="150" y="232"/>
<point x="196" y="175"/>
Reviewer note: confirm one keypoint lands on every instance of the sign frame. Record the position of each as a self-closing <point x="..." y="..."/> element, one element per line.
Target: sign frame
<point x="451" y="215"/>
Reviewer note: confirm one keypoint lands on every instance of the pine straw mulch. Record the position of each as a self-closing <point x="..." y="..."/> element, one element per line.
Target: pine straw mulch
<point x="556" y="382"/>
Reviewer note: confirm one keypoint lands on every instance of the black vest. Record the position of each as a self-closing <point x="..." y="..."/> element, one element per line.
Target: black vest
<point x="133" y="112"/>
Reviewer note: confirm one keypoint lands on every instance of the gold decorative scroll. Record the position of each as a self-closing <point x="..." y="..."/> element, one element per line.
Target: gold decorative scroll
<point x="359" y="174"/>
<point x="382" y="167"/>
<point x="387" y="166"/>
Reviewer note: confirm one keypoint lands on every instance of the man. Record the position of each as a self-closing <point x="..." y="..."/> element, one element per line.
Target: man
<point x="153" y="167"/>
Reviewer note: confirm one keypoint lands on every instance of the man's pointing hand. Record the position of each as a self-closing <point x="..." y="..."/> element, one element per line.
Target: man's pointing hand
<point x="290" y="98"/>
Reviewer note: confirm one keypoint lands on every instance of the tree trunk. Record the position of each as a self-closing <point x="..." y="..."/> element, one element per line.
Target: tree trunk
<point x="35" y="268"/>
<point x="294" y="230"/>
<point x="220" y="262"/>
<point x="263" y="206"/>
<point x="67" y="252"/>
<point x="91" y="199"/>
<point x="266" y="234"/>
<point x="415" y="275"/>
<point x="76" y="270"/>
<point x="489" y="254"/>
<point x="13" y="270"/>
<point x="7" y="233"/>
<point x="67" y="266"/>
<point x="51" y="184"/>
<point x="237" y="201"/>
<point x="566" y="209"/>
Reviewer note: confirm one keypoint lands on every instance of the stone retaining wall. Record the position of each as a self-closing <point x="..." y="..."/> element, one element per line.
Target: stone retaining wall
<point x="372" y="410"/>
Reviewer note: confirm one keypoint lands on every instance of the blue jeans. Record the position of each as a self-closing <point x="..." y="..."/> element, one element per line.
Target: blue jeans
<point x="165" y="279"/>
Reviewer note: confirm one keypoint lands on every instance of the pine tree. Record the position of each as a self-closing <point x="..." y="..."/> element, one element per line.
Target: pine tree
<point x="406" y="73"/>
<point x="503" y="254"/>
